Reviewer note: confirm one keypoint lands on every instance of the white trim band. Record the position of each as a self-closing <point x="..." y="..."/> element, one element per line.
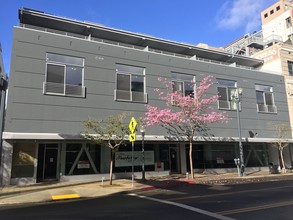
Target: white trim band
<point x="57" y="136"/>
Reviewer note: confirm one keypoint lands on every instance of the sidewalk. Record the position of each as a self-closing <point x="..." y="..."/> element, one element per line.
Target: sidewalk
<point x="46" y="192"/>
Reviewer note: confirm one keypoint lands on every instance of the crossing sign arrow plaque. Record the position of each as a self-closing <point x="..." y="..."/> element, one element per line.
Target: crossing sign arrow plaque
<point x="132" y="125"/>
<point x="132" y="137"/>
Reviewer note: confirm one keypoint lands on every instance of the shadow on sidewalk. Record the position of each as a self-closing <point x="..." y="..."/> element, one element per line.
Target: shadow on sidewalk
<point x="13" y="190"/>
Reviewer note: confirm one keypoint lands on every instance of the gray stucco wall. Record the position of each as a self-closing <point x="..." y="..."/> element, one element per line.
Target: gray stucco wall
<point x="29" y="110"/>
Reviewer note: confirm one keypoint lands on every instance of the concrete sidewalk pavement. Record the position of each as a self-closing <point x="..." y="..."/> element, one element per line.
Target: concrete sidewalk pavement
<point x="45" y="192"/>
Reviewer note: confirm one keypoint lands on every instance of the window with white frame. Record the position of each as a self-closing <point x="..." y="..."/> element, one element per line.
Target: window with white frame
<point x="265" y="99"/>
<point x="64" y="75"/>
<point x="130" y="83"/>
<point x="226" y="89"/>
<point x="183" y="83"/>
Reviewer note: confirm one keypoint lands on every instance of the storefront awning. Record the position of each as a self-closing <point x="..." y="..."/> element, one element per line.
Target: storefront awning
<point x="57" y="136"/>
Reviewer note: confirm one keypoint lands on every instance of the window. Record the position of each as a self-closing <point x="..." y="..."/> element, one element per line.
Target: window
<point x="272" y="11"/>
<point x="225" y="90"/>
<point x="278" y="8"/>
<point x="266" y="15"/>
<point x="130" y="83"/>
<point x="183" y="83"/>
<point x="82" y="159"/>
<point x="24" y="155"/>
<point x="290" y="68"/>
<point x="64" y="75"/>
<point x="265" y="99"/>
<point x="288" y="22"/>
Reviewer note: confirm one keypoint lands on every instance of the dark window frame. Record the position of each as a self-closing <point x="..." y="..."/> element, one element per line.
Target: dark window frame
<point x="278" y="8"/>
<point x="136" y="89"/>
<point x="265" y="101"/>
<point x="70" y="81"/>
<point x="225" y="102"/>
<point x="290" y="67"/>
<point x="187" y="81"/>
<point x="288" y="22"/>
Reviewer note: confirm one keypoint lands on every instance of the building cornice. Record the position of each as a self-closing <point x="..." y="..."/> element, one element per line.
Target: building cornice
<point x="41" y="19"/>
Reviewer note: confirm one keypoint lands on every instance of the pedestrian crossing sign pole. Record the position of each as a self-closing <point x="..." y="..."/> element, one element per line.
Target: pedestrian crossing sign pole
<point x="132" y="137"/>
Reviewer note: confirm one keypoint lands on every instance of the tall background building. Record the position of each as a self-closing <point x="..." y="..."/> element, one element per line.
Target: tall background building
<point x="273" y="44"/>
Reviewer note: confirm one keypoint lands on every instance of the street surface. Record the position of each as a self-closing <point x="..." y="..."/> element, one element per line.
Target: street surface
<point x="262" y="201"/>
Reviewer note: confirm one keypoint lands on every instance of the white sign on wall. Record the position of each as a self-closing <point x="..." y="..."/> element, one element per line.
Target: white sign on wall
<point x="124" y="158"/>
<point x="83" y="164"/>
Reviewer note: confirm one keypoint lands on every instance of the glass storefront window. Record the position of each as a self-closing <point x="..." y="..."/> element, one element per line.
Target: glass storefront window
<point x="24" y="156"/>
<point x="126" y="151"/>
<point x="164" y="155"/>
<point x="81" y="159"/>
<point x="256" y="155"/>
<point x="211" y="156"/>
<point x="219" y="155"/>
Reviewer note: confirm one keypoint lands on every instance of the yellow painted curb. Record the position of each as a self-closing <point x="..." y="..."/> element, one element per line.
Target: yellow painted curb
<point x="66" y="196"/>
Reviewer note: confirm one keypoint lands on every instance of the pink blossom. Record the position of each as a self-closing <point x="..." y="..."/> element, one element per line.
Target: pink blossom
<point x="185" y="114"/>
<point x="191" y="111"/>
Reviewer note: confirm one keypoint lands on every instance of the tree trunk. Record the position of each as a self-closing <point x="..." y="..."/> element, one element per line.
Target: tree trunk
<point x="111" y="166"/>
<point x="190" y="159"/>
<point x="282" y="160"/>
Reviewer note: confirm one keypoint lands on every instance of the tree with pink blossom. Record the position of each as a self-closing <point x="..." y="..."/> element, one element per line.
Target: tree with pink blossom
<point x="186" y="116"/>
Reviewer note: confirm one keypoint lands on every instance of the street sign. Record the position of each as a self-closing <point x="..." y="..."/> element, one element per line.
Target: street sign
<point x="132" y="125"/>
<point x="132" y="137"/>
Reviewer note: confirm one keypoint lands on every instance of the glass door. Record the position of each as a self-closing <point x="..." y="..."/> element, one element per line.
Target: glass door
<point x="174" y="160"/>
<point x="47" y="162"/>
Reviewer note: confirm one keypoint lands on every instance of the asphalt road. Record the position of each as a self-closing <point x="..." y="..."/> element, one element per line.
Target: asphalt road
<point x="268" y="200"/>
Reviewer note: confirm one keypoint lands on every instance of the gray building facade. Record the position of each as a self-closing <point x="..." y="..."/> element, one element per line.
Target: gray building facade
<point x="64" y="71"/>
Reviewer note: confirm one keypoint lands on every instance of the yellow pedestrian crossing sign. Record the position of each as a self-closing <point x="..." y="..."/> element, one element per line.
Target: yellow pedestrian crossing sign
<point x="132" y="137"/>
<point x="132" y="125"/>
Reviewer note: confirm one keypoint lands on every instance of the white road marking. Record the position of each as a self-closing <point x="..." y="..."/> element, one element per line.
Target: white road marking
<point x="201" y="211"/>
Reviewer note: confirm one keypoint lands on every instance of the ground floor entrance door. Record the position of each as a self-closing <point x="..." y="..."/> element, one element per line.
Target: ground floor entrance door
<point x="47" y="162"/>
<point x="174" y="160"/>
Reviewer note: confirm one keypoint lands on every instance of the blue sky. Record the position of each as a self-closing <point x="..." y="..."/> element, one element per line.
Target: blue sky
<point x="214" y="22"/>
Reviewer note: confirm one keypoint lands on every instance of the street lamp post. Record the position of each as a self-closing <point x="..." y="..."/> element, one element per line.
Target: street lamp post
<point x="236" y="97"/>
<point x="142" y="130"/>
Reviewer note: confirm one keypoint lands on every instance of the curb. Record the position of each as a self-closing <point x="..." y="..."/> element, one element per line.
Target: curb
<point x="166" y="185"/>
<point x="65" y="197"/>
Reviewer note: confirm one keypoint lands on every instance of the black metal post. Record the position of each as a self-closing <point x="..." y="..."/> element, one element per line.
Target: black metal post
<point x="143" y="158"/>
<point x="132" y="158"/>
